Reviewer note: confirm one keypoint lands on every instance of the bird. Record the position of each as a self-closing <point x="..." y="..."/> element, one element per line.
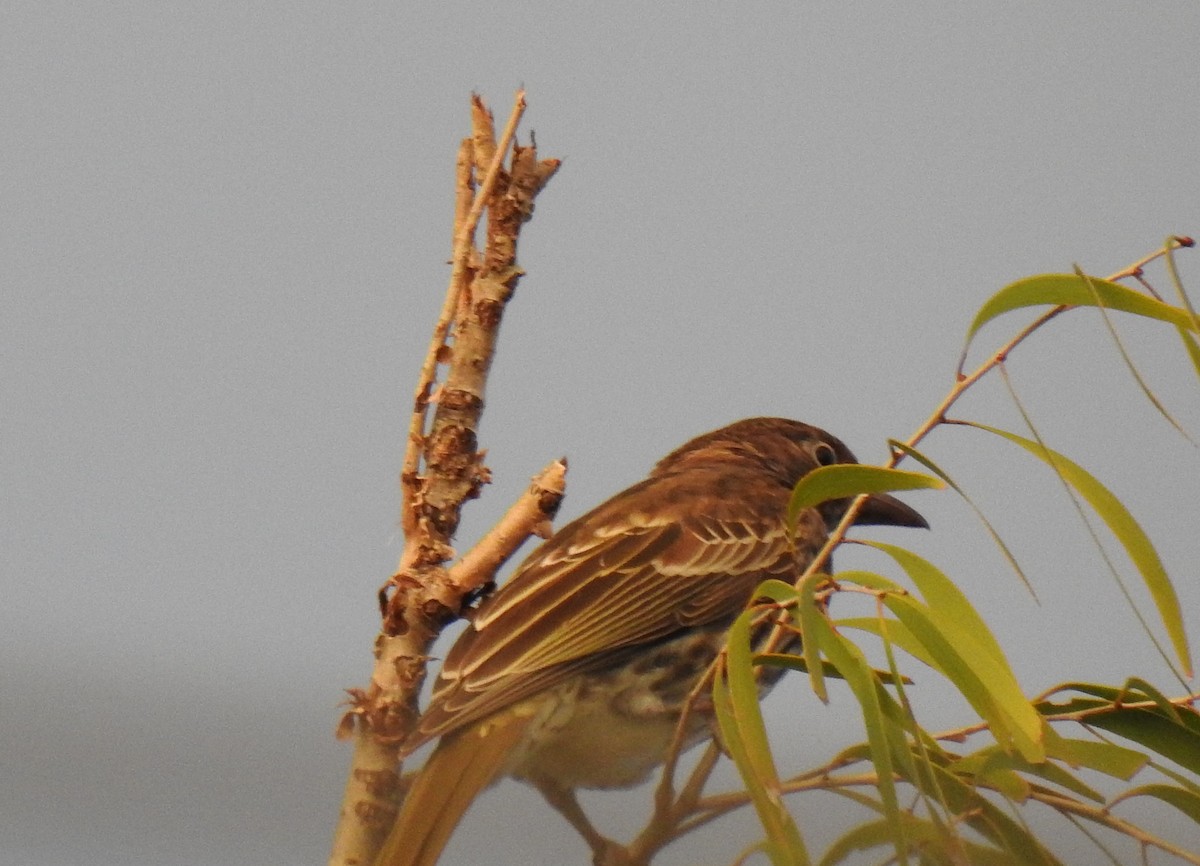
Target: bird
<point x="575" y="672"/>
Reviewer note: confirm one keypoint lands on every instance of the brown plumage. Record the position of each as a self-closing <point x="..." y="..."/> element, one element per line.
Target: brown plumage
<point x="574" y="673"/>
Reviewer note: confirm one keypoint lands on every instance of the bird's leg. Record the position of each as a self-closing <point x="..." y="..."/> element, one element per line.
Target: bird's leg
<point x="564" y="802"/>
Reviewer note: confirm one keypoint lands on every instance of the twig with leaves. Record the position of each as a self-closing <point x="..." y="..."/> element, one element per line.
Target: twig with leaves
<point x="676" y="814"/>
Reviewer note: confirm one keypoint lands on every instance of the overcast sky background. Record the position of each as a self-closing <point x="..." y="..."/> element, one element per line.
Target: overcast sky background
<point x="223" y="235"/>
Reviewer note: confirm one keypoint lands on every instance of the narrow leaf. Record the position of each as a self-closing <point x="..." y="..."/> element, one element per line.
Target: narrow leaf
<point x="1178" y="742"/>
<point x="743" y="690"/>
<point x="1000" y="775"/>
<point x="987" y="524"/>
<point x="1108" y="758"/>
<point x="848" y="659"/>
<point x="1070" y="290"/>
<point x="1060" y="776"/>
<point x="1127" y="531"/>
<point x="986" y="818"/>
<point x="1193" y="348"/>
<point x="1172" y="245"/>
<point x="778" y="591"/>
<point x="850" y="479"/>
<point x="797" y="663"/>
<point x="1189" y="342"/>
<point x="735" y="700"/>
<point x="1110" y="694"/>
<point x="811" y="619"/>
<point x="1167" y="708"/>
<point x="936" y="844"/>
<point x="870" y="580"/>
<point x="897" y="633"/>
<point x="1129" y="364"/>
<point x="940" y="592"/>
<point x="1187" y="802"/>
<point x="987" y="683"/>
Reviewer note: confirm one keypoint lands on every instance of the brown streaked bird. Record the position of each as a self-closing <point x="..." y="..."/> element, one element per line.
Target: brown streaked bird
<point x="575" y="672"/>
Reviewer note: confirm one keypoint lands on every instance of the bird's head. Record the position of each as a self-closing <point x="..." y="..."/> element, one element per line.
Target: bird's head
<point x="789" y="450"/>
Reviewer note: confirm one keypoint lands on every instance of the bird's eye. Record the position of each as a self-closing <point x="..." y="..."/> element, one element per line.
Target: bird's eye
<point x="825" y="454"/>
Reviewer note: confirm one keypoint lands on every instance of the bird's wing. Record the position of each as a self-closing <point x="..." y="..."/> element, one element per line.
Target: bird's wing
<point x="614" y="579"/>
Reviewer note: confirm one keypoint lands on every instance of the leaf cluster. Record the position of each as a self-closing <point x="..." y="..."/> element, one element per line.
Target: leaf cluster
<point x="953" y="797"/>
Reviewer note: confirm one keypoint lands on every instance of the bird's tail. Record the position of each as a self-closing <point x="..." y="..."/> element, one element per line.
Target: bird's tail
<point x="463" y="764"/>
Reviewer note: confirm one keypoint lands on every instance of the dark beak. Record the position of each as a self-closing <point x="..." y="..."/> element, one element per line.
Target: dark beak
<point x="883" y="509"/>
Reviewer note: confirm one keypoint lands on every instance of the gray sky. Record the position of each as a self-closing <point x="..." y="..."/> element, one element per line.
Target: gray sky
<point x="223" y="236"/>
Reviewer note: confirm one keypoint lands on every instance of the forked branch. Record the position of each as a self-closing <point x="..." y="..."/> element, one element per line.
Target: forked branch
<point x="443" y="467"/>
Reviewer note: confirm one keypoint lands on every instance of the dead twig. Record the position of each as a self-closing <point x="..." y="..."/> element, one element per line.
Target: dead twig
<point x="443" y="468"/>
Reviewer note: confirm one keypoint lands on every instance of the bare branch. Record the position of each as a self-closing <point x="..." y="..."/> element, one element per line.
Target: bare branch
<point x="528" y="515"/>
<point x="442" y="469"/>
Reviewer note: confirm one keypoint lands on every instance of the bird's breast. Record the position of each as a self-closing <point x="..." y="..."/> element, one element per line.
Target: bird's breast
<point x="611" y="728"/>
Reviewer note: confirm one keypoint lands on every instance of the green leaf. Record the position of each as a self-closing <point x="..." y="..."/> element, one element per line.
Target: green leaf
<point x="1072" y="291"/>
<point x="864" y="837"/>
<point x="992" y="755"/>
<point x="940" y="592"/>
<point x="1000" y="773"/>
<point x="811" y="618"/>
<point x="1129" y="363"/>
<point x="850" y="479"/>
<point x="1109" y="694"/>
<point x="1108" y="758"/>
<point x="1167" y="708"/>
<point x="1187" y="802"/>
<point x="897" y="633"/>
<point x="1127" y="531"/>
<point x="1134" y="690"/>
<point x="987" y="524"/>
<point x="797" y="663"/>
<point x="985" y="681"/>
<point x="1073" y="707"/>
<point x="1062" y="777"/>
<point x="882" y="735"/>
<point x="1193" y="348"/>
<point x="984" y="817"/>
<point x="936" y="843"/>
<point x="743" y="690"/>
<point x="1178" y="742"/>
<point x="1189" y="342"/>
<point x="1174" y="243"/>
<point x="778" y="591"/>
<point x="851" y="755"/>
<point x="870" y="580"/>
<point x="739" y="716"/>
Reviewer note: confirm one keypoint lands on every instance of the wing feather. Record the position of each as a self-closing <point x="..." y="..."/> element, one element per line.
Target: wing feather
<point x="609" y="583"/>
